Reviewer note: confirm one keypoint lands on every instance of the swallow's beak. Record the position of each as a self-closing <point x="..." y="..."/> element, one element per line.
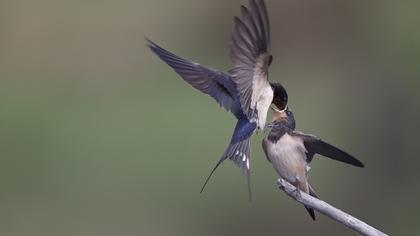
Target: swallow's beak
<point x="279" y="115"/>
<point x="274" y="109"/>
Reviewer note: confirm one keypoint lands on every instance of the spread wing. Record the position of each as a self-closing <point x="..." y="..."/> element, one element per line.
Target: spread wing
<point x="218" y="85"/>
<point x="315" y="145"/>
<point x="250" y="54"/>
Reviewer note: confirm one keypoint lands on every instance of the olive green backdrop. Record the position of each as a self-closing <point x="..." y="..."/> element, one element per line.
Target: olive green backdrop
<point x="99" y="137"/>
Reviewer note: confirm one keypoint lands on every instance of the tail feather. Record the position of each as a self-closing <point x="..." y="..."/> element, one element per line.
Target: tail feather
<point x="310" y="210"/>
<point x="239" y="153"/>
<point x="248" y="182"/>
<point x="211" y="173"/>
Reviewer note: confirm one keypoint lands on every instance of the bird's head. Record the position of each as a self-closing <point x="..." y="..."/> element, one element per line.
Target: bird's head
<point x="284" y="117"/>
<point x="280" y="95"/>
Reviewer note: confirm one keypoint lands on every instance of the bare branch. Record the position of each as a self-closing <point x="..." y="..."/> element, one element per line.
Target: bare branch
<point x="328" y="210"/>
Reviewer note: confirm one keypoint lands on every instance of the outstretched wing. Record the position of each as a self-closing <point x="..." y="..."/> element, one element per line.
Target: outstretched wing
<point x="315" y="145"/>
<point x="250" y="53"/>
<point x="212" y="82"/>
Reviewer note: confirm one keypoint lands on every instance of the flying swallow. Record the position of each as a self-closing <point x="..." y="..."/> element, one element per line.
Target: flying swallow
<point x="290" y="152"/>
<point x="244" y="90"/>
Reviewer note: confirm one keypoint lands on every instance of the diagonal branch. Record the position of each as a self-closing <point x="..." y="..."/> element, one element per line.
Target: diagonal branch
<point x="328" y="210"/>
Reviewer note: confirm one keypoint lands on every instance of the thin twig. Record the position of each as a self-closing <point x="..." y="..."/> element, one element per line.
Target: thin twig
<point x="328" y="210"/>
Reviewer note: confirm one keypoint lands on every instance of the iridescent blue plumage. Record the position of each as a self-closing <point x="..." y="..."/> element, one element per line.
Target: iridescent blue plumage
<point x="223" y="89"/>
<point x="245" y="91"/>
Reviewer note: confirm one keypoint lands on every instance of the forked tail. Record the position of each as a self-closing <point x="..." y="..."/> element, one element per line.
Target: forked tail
<point x="239" y="153"/>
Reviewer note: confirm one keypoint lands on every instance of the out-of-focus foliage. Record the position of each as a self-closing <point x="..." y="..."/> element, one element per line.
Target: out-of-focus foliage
<point x="99" y="137"/>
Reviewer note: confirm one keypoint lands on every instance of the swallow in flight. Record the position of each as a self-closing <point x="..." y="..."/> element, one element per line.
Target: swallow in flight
<point x="245" y="90"/>
<point x="290" y="152"/>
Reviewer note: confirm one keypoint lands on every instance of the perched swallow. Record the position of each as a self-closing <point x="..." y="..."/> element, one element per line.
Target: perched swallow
<point x="245" y="90"/>
<point x="290" y="152"/>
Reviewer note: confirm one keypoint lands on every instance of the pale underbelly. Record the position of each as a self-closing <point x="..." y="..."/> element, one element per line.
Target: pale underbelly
<point x="262" y="106"/>
<point x="288" y="159"/>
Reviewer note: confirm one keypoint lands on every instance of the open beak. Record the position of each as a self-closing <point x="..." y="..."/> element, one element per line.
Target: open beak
<point x="274" y="109"/>
<point x="286" y="108"/>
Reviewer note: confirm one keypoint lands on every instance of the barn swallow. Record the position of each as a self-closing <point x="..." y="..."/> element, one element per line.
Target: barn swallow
<point x="244" y="90"/>
<point x="290" y="152"/>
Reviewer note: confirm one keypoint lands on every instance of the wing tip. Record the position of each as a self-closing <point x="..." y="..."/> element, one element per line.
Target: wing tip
<point x="337" y="154"/>
<point x="359" y="163"/>
<point x="149" y="42"/>
<point x="152" y="46"/>
<point x="244" y="8"/>
<point x="156" y="48"/>
<point x="353" y="161"/>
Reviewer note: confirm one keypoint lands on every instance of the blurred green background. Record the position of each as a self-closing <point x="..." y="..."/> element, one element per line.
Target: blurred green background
<point x="99" y="137"/>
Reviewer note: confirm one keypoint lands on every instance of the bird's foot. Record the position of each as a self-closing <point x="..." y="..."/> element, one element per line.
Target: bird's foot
<point x="280" y="183"/>
<point x="283" y="184"/>
<point x="296" y="193"/>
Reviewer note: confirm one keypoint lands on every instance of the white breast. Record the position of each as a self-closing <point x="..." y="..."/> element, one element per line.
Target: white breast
<point x="263" y="104"/>
<point x="287" y="157"/>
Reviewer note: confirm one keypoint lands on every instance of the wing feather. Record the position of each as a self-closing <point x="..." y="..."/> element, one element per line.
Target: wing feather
<point x="218" y="85"/>
<point x="315" y="145"/>
<point x="250" y="53"/>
